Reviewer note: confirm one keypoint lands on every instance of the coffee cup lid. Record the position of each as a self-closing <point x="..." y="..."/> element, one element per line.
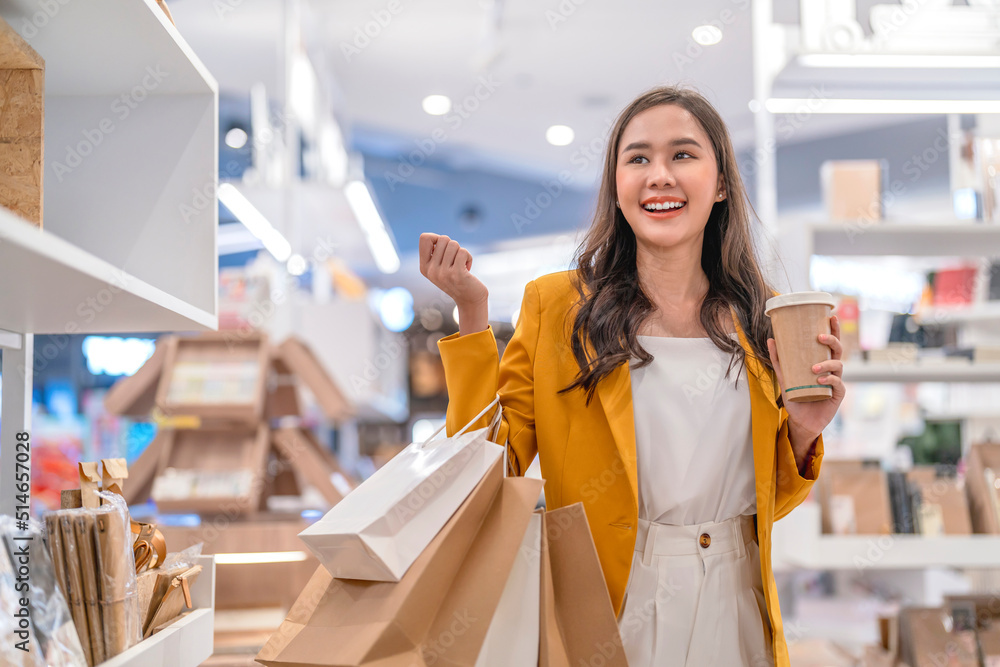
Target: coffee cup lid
<point x="798" y="299"/>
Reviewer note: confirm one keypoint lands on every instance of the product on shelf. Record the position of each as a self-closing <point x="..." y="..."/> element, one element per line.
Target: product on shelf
<point x="852" y="189"/>
<point x="92" y="547"/>
<point x="928" y="636"/>
<point x="987" y="157"/>
<point x="51" y="637"/>
<point x="954" y="286"/>
<point x="211" y="470"/>
<point x="215" y="376"/>
<point x="797" y="319"/>
<point x="848" y="315"/>
<point x="942" y="496"/>
<point x="983" y="492"/>
<point x="854" y="498"/>
<point x="22" y="136"/>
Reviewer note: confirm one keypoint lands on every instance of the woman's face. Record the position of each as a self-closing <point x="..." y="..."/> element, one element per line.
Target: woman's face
<point x="666" y="159"/>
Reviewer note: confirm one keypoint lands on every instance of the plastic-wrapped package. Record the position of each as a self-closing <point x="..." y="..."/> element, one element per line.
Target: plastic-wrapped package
<point x="51" y="636"/>
<point x="98" y="575"/>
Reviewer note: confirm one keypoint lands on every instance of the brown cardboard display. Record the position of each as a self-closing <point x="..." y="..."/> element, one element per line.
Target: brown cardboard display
<point x="948" y="493"/>
<point x="231" y="460"/>
<point x="135" y="396"/>
<point x="282" y="398"/>
<point x="215" y="377"/>
<point x="251" y="585"/>
<point x="304" y="365"/>
<point x="142" y="472"/>
<point x="982" y="507"/>
<point x="312" y="464"/>
<point x="865" y="484"/>
<point x="22" y="126"/>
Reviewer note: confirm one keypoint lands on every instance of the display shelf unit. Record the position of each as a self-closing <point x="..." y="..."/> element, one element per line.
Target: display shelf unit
<point x="131" y="154"/>
<point x="856" y="371"/>
<point x="960" y="238"/>
<point x="797" y="543"/>
<point x="186" y="642"/>
<point x="130" y="208"/>
<point x="988" y="311"/>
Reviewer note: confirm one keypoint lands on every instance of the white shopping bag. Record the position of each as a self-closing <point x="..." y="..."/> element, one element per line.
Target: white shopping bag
<point x="512" y="638"/>
<point x="378" y="530"/>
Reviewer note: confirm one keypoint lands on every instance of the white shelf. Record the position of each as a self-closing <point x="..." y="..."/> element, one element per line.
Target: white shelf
<point x="988" y="311"/>
<point x="855" y="371"/>
<point x="103" y="47"/>
<point x="798" y="544"/>
<point x="962" y="239"/>
<point x="55" y="287"/>
<point x="131" y="166"/>
<point x="184" y="643"/>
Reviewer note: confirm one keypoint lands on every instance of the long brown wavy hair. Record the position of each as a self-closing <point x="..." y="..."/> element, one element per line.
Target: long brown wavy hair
<point x="612" y="304"/>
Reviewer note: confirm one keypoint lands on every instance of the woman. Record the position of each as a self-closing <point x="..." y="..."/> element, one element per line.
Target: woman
<point x="613" y="377"/>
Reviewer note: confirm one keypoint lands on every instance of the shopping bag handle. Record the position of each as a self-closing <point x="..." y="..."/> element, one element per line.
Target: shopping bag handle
<point x="494" y="424"/>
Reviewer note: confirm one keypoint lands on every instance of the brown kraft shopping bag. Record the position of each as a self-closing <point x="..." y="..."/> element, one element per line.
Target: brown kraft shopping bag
<point x="578" y="625"/>
<point x="348" y="623"/>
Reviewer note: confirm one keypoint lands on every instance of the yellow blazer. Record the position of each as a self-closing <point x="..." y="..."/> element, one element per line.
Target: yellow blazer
<point x="587" y="453"/>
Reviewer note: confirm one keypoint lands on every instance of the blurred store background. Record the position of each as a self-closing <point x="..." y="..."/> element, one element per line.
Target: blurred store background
<point x="869" y="138"/>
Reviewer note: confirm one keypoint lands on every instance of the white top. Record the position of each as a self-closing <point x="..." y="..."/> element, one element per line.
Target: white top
<point x="692" y="434"/>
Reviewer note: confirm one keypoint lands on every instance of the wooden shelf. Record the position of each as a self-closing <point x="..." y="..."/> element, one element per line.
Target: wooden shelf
<point x="962" y="239"/>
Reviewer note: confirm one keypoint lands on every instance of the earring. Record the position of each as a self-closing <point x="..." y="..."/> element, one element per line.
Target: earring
<point x="719" y="196"/>
<point x="617" y="204"/>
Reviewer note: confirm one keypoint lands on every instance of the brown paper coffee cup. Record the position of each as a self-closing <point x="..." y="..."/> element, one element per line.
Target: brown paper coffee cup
<point x="797" y="319"/>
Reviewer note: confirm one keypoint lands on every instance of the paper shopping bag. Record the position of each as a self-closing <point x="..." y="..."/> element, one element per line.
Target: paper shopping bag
<point x="577" y="624"/>
<point x="379" y="529"/>
<point x="512" y="638"/>
<point x="353" y="622"/>
<point x="441" y="610"/>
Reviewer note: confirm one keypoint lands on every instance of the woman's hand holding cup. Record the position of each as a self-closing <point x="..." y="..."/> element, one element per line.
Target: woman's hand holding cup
<point x="448" y="266"/>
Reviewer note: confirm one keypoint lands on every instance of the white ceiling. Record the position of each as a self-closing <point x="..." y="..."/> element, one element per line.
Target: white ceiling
<point x="550" y="66"/>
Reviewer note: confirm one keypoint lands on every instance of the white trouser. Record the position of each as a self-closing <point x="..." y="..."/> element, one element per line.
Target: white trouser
<point x="695" y="597"/>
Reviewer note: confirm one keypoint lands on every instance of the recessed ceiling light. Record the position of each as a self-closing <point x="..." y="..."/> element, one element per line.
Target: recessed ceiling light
<point x="437" y="105"/>
<point x="559" y="135"/>
<point x="707" y="35"/>
<point x="236" y="138"/>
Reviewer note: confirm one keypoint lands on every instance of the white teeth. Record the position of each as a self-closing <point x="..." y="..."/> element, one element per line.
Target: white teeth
<point x="663" y="207"/>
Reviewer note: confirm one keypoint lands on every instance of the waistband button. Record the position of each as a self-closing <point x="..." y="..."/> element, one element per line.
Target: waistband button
<point x="705" y="540"/>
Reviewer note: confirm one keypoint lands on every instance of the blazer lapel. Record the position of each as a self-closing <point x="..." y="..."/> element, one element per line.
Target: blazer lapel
<point x="615" y="394"/>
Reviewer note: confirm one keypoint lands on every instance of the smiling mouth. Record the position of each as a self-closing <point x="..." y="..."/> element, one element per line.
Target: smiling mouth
<point x="666" y="206"/>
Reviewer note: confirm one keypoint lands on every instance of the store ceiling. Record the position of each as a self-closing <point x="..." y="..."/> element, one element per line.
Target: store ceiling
<point x="570" y="62"/>
<point x="535" y="63"/>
